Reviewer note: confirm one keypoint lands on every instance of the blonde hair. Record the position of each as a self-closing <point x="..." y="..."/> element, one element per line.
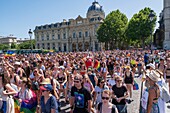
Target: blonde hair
<point x="108" y="92"/>
<point x="118" y="77"/>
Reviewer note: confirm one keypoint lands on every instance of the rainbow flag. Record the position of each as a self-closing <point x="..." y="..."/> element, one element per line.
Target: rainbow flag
<point x="97" y="65"/>
<point x="16" y="106"/>
<point x="29" y="106"/>
<point x="9" y="53"/>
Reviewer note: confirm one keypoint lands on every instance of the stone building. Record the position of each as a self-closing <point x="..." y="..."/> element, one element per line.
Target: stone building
<point x="73" y="35"/>
<point x="166" y="14"/>
<point x="8" y="40"/>
<point x="159" y="33"/>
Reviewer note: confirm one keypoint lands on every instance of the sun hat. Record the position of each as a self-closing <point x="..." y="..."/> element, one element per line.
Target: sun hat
<point x="46" y="81"/>
<point x="153" y="75"/>
<point x="17" y="63"/>
<point x="127" y="67"/>
<point x="61" y="67"/>
<point x="47" y="87"/>
<point x="151" y="65"/>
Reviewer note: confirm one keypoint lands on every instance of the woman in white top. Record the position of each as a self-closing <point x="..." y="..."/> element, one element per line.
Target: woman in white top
<point x="111" y="81"/>
<point x="98" y="91"/>
<point x="103" y="70"/>
<point x="8" y="92"/>
<point x="161" y="103"/>
<point x="25" y="92"/>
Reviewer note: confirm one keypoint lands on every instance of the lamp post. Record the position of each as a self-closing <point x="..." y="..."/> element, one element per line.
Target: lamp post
<point x="30" y="34"/>
<point x="151" y="17"/>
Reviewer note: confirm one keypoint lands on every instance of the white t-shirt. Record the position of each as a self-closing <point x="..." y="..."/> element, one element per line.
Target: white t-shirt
<point x="27" y="94"/>
<point x="111" y="82"/>
<point x="98" y="91"/>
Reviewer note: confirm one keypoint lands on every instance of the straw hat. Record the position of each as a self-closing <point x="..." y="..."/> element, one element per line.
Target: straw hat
<point x="154" y="76"/>
<point x="127" y="67"/>
<point x="151" y="65"/>
<point x="46" y="81"/>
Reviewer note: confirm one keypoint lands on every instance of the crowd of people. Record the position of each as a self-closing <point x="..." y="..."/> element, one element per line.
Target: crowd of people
<point x="90" y="82"/>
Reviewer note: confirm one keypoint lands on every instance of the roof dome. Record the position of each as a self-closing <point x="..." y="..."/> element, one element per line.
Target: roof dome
<point x="95" y="7"/>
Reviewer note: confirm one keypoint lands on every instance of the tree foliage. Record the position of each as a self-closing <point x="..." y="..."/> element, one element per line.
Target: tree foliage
<point x="113" y="28"/>
<point x="26" y="45"/>
<point x="13" y="46"/>
<point x="4" y="46"/>
<point x="140" y="27"/>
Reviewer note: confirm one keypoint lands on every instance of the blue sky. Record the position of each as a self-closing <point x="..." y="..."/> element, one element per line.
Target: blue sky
<point x="18" y="16"/>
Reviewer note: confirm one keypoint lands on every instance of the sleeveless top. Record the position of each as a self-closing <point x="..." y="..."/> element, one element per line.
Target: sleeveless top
<point x="128" y="79"/>
<point x="155" y="107"/>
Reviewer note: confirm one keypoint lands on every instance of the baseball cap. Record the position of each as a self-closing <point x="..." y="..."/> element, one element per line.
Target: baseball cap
<point x="47" y="87"/>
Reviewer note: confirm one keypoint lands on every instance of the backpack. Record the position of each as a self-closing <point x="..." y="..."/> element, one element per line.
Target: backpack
<point x="100" y="108"/>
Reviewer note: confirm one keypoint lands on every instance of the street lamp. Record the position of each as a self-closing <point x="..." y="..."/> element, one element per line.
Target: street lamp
<point x="151" y="17"/>
<point x="30" y="34"/>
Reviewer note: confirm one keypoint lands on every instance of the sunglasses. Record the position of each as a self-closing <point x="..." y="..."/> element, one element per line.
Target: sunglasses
<point x="102" y="82"/>
<point x="118" y="80"/>
<point x="107" y="98"/>
<point x="77" y="81"/>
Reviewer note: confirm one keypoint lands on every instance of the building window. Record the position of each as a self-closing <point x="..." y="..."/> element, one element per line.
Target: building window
<point x="79" y="34"/>
<point x="65" y="47"/>
<point x="64" y="36"/>
<point x="48" y="45"/>
<point x="86" y="34"/>
<point x="37" y="38"/>
<point x="53" y="37"/>
<point x="53" y="45"/>
<point x="38" y="46"/>
<point x="47" y="37"/>
<point x="79" y="22"/>
<point x="74" y="35"/>
<point x="59" y="36"/>
<point x="43" y="45"/>
<point x="96" y="46"/>
<point x="59" y="47"/>
<point x="42" y="37"/>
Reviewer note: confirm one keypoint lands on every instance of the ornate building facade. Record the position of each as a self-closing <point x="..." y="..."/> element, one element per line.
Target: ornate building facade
<point x="73" y="35"/>
<point x="166" y="14"/>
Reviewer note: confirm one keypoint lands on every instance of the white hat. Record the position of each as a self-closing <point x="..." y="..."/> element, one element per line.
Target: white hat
<point x="151" y="65"/>
<point x="61" y="67"/>
<point x="17" y="63"/>
<point x="154" y="76"/>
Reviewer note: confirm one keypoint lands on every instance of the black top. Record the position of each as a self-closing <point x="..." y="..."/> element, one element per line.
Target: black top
<point x="81" y="99"/>
<point x="128" y="79"/>
<point x="119" y="92"/>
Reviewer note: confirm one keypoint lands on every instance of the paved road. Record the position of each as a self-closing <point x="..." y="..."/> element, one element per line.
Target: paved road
<point x="132" y="108"/>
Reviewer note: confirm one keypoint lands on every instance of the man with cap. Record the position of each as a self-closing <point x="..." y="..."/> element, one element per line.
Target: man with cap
<point x="81" y="99"/>
<point x="48" y="101"/>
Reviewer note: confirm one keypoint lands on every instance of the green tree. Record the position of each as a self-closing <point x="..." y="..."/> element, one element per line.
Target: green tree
<point x="4" y="46"/>
<point x="140" y="27"/>
<point x="113" y="28"/>
<point x="26" y="45"/>
<point x="13" y="46"/>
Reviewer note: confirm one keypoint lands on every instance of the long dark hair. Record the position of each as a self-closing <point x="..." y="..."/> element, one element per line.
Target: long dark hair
<point x="27" y="81"/>
<point x="6" y="80"/>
